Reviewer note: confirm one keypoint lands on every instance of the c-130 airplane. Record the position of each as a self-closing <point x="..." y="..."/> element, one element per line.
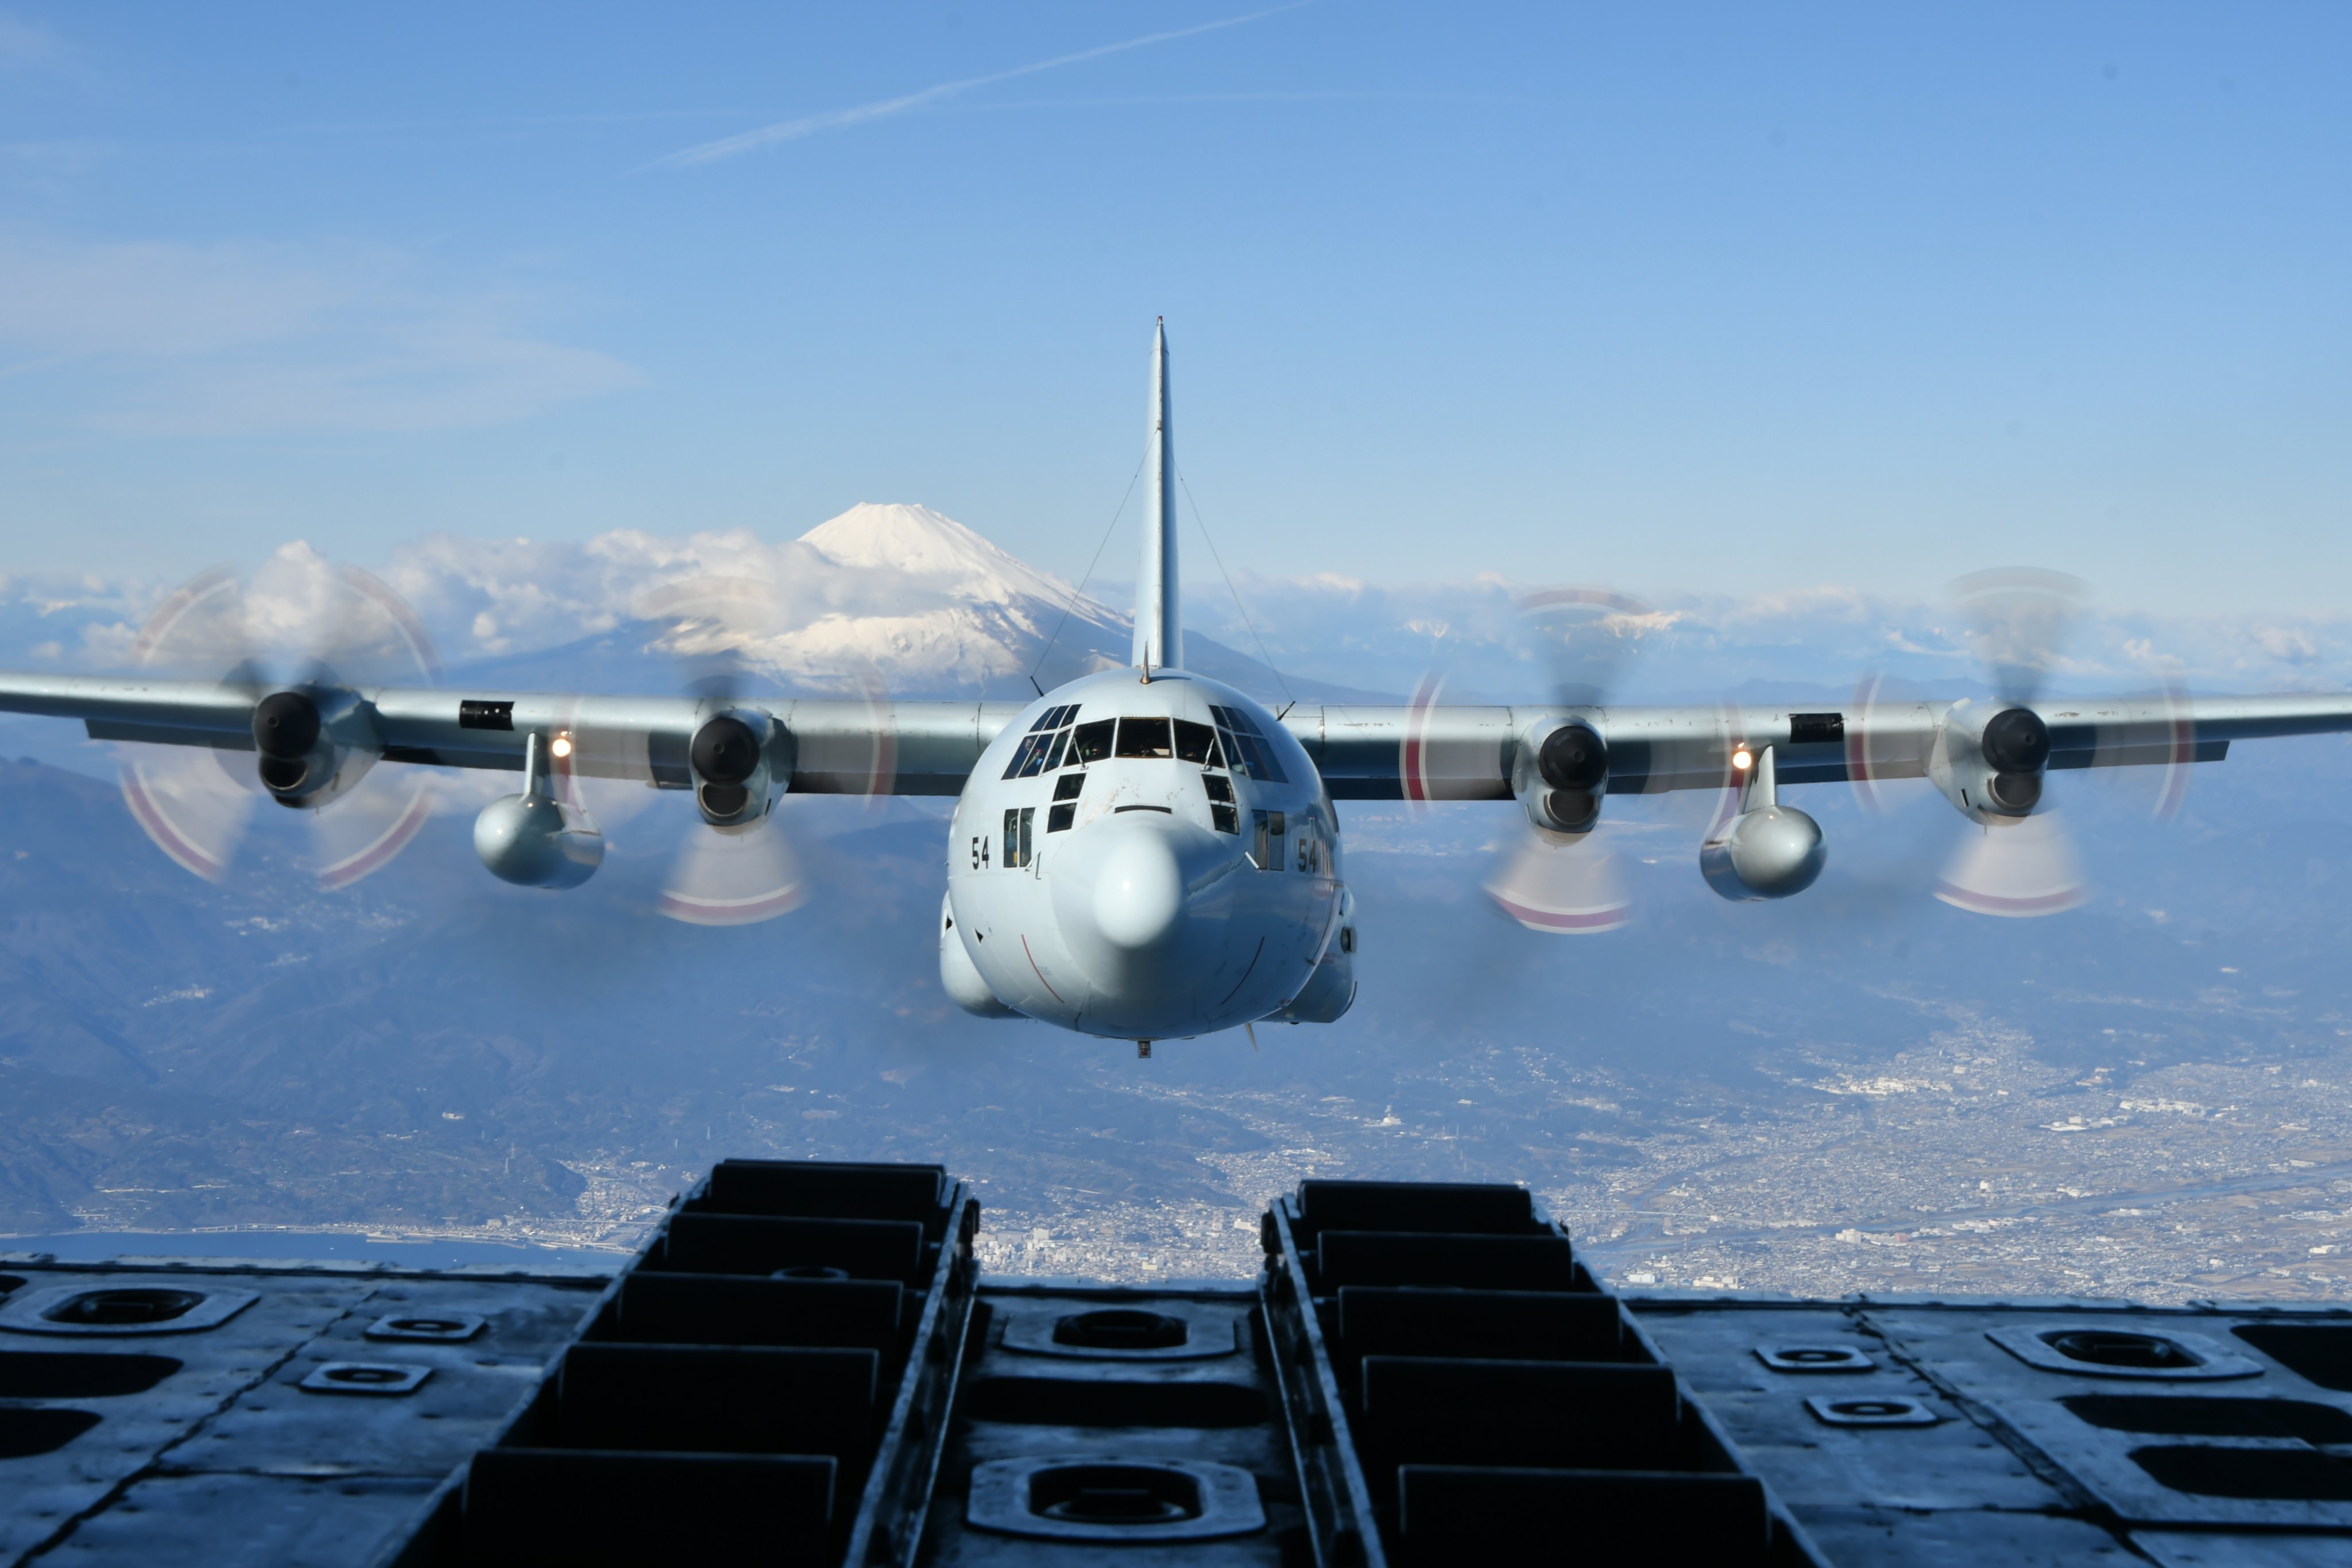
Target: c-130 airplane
<point x="1147" y="853"/>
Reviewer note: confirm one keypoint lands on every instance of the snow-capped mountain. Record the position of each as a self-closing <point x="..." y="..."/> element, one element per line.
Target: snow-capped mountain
<point x="897" y="595"/>
<point x="923" y="600"/>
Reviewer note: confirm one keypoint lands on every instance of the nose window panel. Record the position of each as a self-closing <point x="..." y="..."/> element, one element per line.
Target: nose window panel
<point x="1091" y="742"/>
<point x="1144" y="737"/>
<point x="1068" y="785"/>
<point x="1019" y="823"/>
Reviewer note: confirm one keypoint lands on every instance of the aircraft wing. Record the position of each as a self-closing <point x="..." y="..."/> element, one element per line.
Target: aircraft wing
<point x="1456" y="752"/>
<point x="1425" y="751"/>
<point x="838" y="747"/>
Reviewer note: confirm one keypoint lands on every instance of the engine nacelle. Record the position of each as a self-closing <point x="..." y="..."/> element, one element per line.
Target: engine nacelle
<point x="1770" y="852"/>
<point x="532" y="840"/>
<point x="314" y="744"/>
<point x="1562" y="771"/>
<point x="1989" y="759"/>
<point x="736" y="775"/>
<point x="958" y="976"/>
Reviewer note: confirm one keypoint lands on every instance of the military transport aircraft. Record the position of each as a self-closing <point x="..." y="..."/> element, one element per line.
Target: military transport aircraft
<point x="1144" y="852"/>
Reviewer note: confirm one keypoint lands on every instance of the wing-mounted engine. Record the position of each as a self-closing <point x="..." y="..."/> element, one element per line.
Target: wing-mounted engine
<point x="1561" y="773"/>
<point x="316" y="742"/>
<point x="1989" y="759"/>
<point x="1765" y="850"/>
<point x="741" y="762"/>
<point x="741" y="868"/>
<point x="1557" y="879"/>
<point x="284" y="660"/>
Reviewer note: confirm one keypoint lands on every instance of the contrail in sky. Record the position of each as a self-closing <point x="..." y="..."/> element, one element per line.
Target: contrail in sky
<point x="839" y="119"/>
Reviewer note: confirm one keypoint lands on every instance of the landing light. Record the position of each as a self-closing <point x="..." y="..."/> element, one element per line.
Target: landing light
<point x="1742" y="759"/>
<point x="561" y="747"/>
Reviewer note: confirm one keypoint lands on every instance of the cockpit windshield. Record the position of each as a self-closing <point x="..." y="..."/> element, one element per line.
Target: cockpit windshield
<point x="1144" y="737"/>
<point x="1091" y="742"/>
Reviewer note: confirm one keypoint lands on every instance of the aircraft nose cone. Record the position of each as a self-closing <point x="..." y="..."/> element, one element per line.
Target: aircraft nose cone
<point x="1138" y="892"/>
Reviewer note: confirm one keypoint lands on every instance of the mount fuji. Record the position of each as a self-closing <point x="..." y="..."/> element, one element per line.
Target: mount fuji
<point x="896" y="593"/>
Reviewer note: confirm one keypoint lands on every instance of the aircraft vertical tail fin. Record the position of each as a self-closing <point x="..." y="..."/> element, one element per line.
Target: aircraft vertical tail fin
<point x="1159" y="624"/>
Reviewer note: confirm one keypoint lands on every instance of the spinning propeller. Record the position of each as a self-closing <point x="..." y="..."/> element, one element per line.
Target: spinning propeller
<point x="298" y="642"/>
<point x="1991" y="759"/>
<point x="2018" y="859"/>
<point x="739" y="867"/>
<point x="1553" y="877"/>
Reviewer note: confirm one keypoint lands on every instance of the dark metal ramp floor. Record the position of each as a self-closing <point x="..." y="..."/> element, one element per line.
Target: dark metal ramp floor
<point x="801" y="1366"/>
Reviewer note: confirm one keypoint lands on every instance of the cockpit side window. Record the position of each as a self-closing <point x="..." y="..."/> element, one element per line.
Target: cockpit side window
<point x="1266" y="851"/>
<point x="1245" y="747"/>
<point x="1090" y="742"/>
<point x="1028" y="752"/>
<point x="1143" y="737"/>
<point x="1043" y="748"/>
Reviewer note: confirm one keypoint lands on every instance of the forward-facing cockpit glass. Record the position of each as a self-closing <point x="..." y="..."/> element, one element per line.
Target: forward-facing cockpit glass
<point x="1196" y="743"/>
<point x="1144" y="737"/>
<point x="1091" y="742"/>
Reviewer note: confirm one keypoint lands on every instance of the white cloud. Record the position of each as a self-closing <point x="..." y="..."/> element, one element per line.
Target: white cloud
<point x="243" y="338"/>
<point x="930" y="608"/>
<point x="2287" y="645"/>
<point x="1386" y="638"/>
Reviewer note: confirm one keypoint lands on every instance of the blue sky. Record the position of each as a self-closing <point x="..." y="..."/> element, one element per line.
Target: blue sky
<point x="1707" y="299"/>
